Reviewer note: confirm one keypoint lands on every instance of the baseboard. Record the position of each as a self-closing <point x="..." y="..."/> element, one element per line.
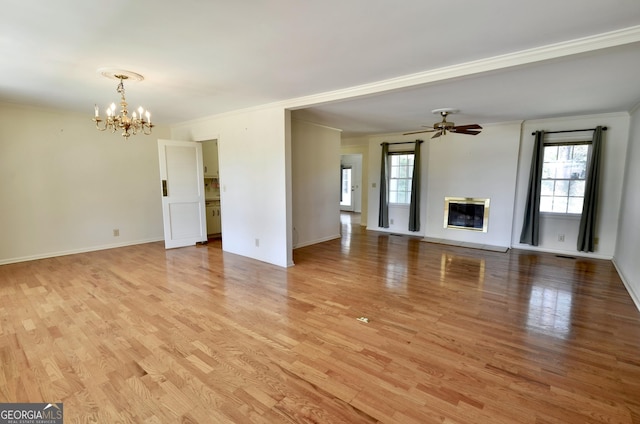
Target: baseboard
<point x="634" y="296"/>
<point x="320" y="240"/>
<point x="76" y="251"/>
<point x="563" y="252"/>
<point x="490" y="247"/>
<point x="395" y="231"/>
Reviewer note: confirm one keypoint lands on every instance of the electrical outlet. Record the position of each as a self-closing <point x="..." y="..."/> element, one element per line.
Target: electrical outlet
<point x="257" y="242"/>
<point x="116" y="232"/>
<point x="391" y="222"/>
<point x="561" y="237"/>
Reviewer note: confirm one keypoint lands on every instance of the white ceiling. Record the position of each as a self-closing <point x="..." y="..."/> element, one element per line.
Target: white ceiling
<point x="495" y="60"/>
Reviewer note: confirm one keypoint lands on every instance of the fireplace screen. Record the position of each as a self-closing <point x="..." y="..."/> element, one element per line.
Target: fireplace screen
<point x="466" y="213"/>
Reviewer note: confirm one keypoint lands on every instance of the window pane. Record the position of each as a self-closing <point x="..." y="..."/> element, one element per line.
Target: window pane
<point x="575" y="204"/>
<point x="564" y="170"/>
<point x="547" y="187"/>
<point x="393" y="185"/>
<point x="580" y="153"/>
<point x="548" y="170"/>
<point x="564" y="153"/>
<point x="576" y="188"/>
<point x="546" y="204"/>
<point x="578" y="171"/>
<point x="559" y="204"/>
<point x="561" y="188"/>
<point x="550" y="153"/>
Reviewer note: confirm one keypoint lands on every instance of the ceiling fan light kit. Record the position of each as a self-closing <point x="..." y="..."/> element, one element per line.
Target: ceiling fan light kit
<point x="444" y="126"/>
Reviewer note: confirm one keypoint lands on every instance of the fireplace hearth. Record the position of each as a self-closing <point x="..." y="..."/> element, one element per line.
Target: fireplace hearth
<point x="466" y="213"/>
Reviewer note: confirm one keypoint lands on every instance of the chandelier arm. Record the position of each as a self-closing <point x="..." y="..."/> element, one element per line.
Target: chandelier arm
<point x="97" y="121"/>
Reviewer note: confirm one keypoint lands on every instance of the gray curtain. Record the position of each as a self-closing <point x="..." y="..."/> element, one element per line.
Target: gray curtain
<point x="383" y="214"/>
<point x="587" y="229"/>
<point x="414" y="206"/>
<point x="531" y="225"/>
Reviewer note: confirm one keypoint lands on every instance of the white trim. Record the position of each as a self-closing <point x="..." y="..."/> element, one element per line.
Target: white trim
<point x="76" y="251"/>
<point x="523" y="57"/>
<point x="562" y="252"/>
<point x="320" y="240"/>
<point x="634" y="296"/>
<point x="315" y="124"/>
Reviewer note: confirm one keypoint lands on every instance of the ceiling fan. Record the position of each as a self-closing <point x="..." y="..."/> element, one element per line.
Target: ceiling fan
<point x="441" y="128"/>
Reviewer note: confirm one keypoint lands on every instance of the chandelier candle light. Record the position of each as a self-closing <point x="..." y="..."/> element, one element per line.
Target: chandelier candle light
<point x="140" y="122"/>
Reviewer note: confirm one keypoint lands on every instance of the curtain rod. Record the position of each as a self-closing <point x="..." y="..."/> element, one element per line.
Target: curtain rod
<point x="405" y="142"/>
<point x="566" y="131"/>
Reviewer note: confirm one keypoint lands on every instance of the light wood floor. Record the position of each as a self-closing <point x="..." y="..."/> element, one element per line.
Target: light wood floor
<point x="195" y="335"/>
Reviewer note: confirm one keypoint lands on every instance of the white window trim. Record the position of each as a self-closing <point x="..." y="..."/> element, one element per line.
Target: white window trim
<point x="566" y="140"/>
<point x="399" y="152"/>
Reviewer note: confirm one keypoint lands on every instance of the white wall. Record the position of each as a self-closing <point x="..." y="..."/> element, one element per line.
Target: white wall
<point x="462" y="166"/>
<point x="628" y="241"/>
<point x="66" y="186"/>
<point x="481" y="166"/>
<point x="614" y="149"/>
<point x="315" y="183"/>
<point x="254" y="154"/>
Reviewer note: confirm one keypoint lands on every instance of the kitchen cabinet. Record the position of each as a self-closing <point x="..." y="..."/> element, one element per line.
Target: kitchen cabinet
<point x="210" y="158"/>
<point x="213" y="217"/>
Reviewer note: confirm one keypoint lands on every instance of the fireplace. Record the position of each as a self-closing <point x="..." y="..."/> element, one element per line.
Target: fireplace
<point x="466" y="213"/>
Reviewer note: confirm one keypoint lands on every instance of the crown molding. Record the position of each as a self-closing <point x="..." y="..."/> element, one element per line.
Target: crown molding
<point x="552" y="51"/>
<point x="524" y="57"/>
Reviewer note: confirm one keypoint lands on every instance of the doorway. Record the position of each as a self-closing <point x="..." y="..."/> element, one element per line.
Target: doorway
<point x="346" y="198"/>
<point x="350" y="183"/>
<point x="212" y="189"/>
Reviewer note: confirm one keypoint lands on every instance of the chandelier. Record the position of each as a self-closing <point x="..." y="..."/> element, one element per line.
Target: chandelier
<point x="139" y="122"/>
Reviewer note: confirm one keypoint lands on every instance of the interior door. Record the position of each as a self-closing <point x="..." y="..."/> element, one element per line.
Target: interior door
<point x="182" y="183"/>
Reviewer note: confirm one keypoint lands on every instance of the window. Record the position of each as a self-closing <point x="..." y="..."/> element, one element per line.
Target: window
<point x="401" y="172"/>
<point x="564" y="170"/>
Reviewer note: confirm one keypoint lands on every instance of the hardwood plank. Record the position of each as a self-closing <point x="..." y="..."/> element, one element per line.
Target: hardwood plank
<point x="195" y="335"/>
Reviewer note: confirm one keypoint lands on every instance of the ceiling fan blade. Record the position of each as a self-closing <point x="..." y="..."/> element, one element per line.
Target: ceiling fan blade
<point x="418" y="132"/>
<point x="468" y="127"/>
<point x="436" y="135"/>
<point x="469" y="132"/>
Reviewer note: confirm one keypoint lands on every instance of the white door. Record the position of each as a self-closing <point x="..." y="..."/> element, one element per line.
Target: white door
<point x="182" y="183"/>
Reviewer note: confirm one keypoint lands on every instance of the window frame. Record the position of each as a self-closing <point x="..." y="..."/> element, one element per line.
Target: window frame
<point x="409" y="178"/>
<point x="558" y="143"/>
